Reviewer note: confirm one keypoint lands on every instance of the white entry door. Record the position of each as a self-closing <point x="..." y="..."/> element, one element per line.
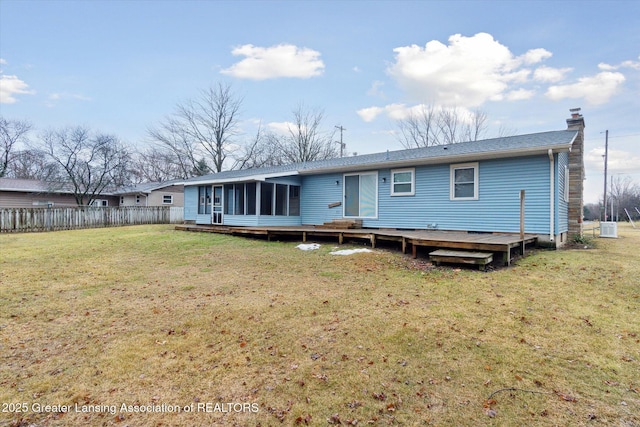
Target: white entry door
<point x="216" y="210"/>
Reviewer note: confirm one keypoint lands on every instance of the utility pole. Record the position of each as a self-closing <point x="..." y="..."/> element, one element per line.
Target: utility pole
<point x="341" y="143"/>
<point x="606" y="155"/>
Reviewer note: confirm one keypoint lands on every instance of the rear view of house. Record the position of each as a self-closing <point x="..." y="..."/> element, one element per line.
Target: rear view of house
<point x="471" y="186"/>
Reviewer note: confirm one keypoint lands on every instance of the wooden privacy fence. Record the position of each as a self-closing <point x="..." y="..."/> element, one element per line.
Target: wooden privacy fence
<point x="54" y="219"/>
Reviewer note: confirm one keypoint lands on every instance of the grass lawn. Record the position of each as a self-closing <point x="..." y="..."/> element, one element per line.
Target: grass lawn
<point x="205" y="329"/>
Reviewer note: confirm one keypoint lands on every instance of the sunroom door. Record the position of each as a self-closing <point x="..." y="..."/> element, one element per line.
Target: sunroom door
<point x="216" y="212"/>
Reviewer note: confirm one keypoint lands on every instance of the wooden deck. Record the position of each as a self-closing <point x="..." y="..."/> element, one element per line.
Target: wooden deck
<point x="503" y="243"/>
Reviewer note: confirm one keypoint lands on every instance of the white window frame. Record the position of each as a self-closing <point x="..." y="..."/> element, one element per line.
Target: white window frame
<point x="170" y="202"/>
<point x="99" y="203"/>
<point x="138" y="199"/>
<point x="452" y="171"/>
<point x="412" y="182"/>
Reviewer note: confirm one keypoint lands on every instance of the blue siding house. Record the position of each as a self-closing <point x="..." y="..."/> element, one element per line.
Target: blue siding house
<point x="470" y="186"/>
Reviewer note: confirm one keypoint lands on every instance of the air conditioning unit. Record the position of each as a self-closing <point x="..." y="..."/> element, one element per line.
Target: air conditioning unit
<point x="609" y="229"/>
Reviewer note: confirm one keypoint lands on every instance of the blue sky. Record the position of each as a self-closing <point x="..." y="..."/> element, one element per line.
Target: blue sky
<point x="121" y="66"/>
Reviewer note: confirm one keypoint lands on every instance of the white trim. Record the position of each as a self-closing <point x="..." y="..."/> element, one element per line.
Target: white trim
<point x="344" y="204"/>
<point x="248" y="178"/>
<point x="566" y="183"/>
<point x="552" y="195"/>
<point x="171" y="199"/>
<point x="452" y="169"/>
<point x="412" y="182"/>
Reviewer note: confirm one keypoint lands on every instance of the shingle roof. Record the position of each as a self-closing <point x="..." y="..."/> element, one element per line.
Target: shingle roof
<point x="146" y="187"/>
<point x="518" y="145"/>
<point x="33" y="186"/>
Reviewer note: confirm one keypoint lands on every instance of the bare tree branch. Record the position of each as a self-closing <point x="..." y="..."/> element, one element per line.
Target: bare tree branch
<point x="11" y="132"/>
<point x="305" y="141"/>
<point x="428" y="126"/>
<point x="201" y="128"/>
<point x="89" y="162"/>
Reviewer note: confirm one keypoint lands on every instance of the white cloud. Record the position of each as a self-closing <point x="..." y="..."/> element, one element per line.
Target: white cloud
<point x="11" y="86"/>
<point x="2" y="61"/>
<point x="595" y="90"/>
<point x="284" y="60"/>
<point x="519" y="95"/>
<point x="550" y="74"/>
<point x="59" y="96"/>
<point x="280" y="127"/>
<point x="618" y="161"/>
<point x="467" y="72"/>
<point x="402" y="111"/>
<point x="393" y="111"/>
<point x="624" y="64"/>
<point x="369" y="114"/>
<point x="534" y="56"/>
<point x="375" y="89"/>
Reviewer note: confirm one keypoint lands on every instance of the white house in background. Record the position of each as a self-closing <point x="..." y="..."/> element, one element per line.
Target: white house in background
<point x="168" y="193"/>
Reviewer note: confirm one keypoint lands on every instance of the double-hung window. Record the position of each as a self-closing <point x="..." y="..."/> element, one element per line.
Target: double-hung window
<point x="403" y="182"/>
<point x="464" y="181"/>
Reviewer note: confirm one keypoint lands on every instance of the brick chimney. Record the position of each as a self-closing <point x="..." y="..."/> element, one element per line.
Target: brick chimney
<point x="576" y="173"/>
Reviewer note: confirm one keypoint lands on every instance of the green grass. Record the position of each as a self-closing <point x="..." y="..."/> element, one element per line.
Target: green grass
<point x="149" y="316"/>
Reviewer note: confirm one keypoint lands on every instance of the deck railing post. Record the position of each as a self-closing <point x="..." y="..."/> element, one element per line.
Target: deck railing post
<point x="522" y="219"/>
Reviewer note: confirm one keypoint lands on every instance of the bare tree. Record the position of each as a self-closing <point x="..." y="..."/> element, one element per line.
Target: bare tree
<point x="419" y="128"/>
<point x="438" y="126"/>
<point x="157" y="164"/>
<point x="305" y="140"/>
<point x="203" y="127"/>
<point x="11" y="132"/>
<point x="262" y="151"/>
<point x="89" y="162"/>
<point x="625" y="194"/>
<point x="32" y="164"/>
<point x="170" y="136"/>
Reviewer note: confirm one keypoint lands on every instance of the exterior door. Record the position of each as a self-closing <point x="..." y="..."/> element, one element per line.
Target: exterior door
<point x="216" y="211"/>
<point x="361" y="195"/>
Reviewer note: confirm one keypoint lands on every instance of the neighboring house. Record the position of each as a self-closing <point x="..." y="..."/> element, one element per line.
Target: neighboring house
<point x="470" y="186"/>
<point x="168" y="193"/>
<point x="29" y="193"/>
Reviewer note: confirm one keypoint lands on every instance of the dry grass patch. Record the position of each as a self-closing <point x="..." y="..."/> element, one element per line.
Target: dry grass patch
<point x="151" y="316"/>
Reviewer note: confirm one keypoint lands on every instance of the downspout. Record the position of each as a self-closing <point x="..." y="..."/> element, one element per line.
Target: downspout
<point x="552" y="195"/>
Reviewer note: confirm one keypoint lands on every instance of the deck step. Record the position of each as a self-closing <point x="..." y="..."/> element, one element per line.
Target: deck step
<point x="342" y="224"/>
<point x="461" y="257"/>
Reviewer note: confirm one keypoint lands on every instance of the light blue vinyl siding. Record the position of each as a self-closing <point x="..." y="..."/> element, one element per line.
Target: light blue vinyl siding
<point x="260" y="220"/>
<point x="496" y="210"/>
<point x="240" y="220"/>
<point x="190" y="203"/>
<point x="497" y="207"/>
<point x="317" y="192"/>
<point x="191" y="206"/>
<point x="562" y="217"/>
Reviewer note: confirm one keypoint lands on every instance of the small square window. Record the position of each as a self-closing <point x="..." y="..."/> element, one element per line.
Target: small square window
<point x="403" y="182"/>
<point x="167" y="199"/>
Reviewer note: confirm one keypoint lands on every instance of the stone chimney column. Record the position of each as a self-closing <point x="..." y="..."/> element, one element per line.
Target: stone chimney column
<point x="576" y="173"/>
